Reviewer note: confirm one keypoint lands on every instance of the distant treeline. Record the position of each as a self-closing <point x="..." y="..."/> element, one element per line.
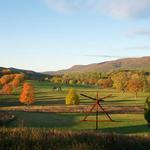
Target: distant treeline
<point x="122" y="80"/>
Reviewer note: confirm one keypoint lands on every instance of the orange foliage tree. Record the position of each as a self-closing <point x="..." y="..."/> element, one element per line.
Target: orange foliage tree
<point x="105" y="83"/>
<point x="15" y="83"/>
<point x="27" y="94"/>
<point x="134" y="86"/>
<point x="7" y="89"/>
<point x="6" y="79"/>
<point x="19" y="78"/>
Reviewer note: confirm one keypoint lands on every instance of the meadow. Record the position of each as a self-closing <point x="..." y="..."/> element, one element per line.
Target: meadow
<point x="50" y="111"/>
<point x="49" y="123"/>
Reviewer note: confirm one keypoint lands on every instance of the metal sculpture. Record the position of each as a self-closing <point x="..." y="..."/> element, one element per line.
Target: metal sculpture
<point x="97" y="105"/>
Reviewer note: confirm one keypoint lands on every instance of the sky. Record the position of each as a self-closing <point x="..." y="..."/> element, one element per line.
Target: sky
<point x="48" y="35"/>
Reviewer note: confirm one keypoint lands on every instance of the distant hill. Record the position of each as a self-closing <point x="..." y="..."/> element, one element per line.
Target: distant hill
<point x="29" y="74"/>
<point x="142" y="63"/>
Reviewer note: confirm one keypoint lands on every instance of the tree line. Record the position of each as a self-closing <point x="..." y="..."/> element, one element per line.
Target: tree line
<point x="122" y="81"/>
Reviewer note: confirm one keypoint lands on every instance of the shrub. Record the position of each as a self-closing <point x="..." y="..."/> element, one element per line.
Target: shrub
<point x="147" y="110"/>
<point x="72" y="98"/>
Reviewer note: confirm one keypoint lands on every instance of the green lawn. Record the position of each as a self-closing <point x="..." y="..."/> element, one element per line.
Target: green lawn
<point x="128" y="123"/>
<point x="123" y="123"/>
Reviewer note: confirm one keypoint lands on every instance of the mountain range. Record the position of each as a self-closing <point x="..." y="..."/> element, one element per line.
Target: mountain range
<point x="142" y="64"/>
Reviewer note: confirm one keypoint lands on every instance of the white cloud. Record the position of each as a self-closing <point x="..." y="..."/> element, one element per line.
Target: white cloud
<point x="139" y="48"/>
<point x="138" y="32"/>
<point x="116" y="8"/>
<point x="128" y="8"/>
<point x="141" y="32"/>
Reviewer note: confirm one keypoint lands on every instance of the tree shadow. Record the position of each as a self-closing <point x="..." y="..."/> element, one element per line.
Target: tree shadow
<point x="118" y="101"/>
<point x="128" y="129"/>
<point x="37" y="103"/>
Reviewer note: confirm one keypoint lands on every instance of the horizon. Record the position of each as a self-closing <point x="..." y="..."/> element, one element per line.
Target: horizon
<point x="75" y="65"/>
<point x="51" y="35"/>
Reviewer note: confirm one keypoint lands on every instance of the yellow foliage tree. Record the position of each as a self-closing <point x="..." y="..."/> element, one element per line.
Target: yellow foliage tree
<point x="120" y="81"/>
<point x="72" y="98"/>
<point x="134" y="86"/>
<point x="27" y="94"/>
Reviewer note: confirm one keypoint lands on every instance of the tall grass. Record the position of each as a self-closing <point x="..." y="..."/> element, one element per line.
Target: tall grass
<point x="44" y="139"/>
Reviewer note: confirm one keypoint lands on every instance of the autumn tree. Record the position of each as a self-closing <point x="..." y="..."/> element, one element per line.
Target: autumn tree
<point x="120" y="81"/>
<point x="7" y="89"/>
<point x="15" y="83"/>
<point x="56" y="80"/>
<point x="72" y="98"/>
<point x="105" y="83"/>
<point x="27" y="94"/>
<point x="134" y="86"/>
<point x="6" y="79"/>
<point x="18" y="79"/>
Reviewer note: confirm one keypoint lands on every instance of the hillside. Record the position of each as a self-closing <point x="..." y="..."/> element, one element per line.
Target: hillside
<point x="142" y="63"/>
<point x="29" y="74"/>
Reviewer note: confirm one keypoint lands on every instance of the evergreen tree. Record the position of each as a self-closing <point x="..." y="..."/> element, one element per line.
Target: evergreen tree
<point x="147" y="110"/>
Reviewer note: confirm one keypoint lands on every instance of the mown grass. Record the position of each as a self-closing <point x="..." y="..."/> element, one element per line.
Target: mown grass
<point x="46" y="96"/>
<point x="44" y="139"/>
<point x="123" y="123"/>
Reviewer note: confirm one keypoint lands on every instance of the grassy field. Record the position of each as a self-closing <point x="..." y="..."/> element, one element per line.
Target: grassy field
<point x="126" y="112"/>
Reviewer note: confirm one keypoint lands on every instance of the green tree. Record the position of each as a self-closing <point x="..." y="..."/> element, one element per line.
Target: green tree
<point x="72" y="98"/>
<point x="147" y="110"/>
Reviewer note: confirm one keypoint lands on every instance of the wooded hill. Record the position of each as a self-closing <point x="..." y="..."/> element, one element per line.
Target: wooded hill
<point x="32" y="75"/>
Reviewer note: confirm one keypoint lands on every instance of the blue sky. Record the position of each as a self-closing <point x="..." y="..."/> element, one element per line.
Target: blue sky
<point x="45" y="35"/>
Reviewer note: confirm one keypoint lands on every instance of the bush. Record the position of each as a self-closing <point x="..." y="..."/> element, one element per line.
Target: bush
<point x="147" y="110"/>
<point x="72" y="98"/>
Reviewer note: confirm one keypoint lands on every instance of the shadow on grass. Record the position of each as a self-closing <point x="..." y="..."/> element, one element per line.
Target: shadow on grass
<point x="37" y="103"/>
<point x="44" y="120"/>
<point x="128" y="129"/>
<point x="117" y="101"/>
<point x="43" y="101"/>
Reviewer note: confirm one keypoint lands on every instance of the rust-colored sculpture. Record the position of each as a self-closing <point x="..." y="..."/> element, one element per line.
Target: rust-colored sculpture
<point x="97" y="105"/>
